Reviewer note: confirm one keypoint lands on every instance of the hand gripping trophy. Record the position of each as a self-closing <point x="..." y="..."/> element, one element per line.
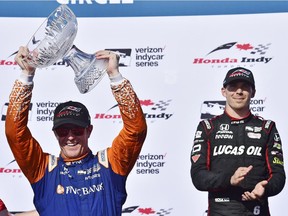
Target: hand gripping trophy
<point x="54" y="39"/>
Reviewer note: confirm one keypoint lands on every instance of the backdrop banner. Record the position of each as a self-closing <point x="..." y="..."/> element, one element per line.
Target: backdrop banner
<point x="176" y="65"/>
<point x="132" y="8"/>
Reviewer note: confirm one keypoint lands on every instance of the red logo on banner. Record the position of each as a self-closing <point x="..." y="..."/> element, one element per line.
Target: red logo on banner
<point x="5" y="170"/>
<point x="246" y="46"/>
<point x="146" y="211"/>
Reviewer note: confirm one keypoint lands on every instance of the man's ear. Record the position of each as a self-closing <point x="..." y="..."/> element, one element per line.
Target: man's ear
<point x="89" y="130"/>
<point x="223" y="92"/>
<point x="253" y="93"/>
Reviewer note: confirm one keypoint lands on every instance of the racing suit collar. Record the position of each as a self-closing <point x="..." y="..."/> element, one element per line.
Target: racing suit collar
<point x="236" y="121"/>
<point x="79" y="160"/>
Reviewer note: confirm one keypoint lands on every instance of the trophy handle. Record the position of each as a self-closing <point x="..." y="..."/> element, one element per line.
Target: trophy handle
<point x="88" y="70"/>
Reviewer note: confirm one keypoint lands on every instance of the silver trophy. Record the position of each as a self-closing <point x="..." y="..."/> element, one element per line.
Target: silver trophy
<point x="54" y="39"/>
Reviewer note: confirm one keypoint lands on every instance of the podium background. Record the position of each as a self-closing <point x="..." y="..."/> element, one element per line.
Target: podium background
<point x="174" y="63"/>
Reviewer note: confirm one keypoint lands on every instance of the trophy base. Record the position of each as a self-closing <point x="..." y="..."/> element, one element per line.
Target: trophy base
<point x="91" y="76"/>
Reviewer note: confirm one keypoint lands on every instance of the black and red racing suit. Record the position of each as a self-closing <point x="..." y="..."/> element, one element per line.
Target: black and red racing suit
<point x="221" y="145"/>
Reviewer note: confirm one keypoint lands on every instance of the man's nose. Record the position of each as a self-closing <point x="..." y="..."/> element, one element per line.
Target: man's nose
<point x="70" y="134"/>
<point x="239" y="90"/>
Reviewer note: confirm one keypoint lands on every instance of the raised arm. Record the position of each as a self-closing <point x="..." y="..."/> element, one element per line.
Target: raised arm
<point x="25" y="148"/>
<point x="127" y="145"/>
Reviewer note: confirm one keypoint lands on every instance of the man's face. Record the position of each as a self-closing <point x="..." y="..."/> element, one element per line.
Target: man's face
<point x="73" y="140"/>
<point x="238" y="95"/>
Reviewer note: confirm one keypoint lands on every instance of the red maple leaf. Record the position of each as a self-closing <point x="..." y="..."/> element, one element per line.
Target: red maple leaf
<point x="146" y="211"/>
<point x="244" y="46"/>
<point x="146" y="102"/>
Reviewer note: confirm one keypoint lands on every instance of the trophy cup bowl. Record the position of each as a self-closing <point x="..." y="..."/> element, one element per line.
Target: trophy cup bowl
<point x="53" y="39"/>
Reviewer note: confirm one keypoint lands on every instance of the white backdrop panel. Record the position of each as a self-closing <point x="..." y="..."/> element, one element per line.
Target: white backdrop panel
<point x="173" y="79"/>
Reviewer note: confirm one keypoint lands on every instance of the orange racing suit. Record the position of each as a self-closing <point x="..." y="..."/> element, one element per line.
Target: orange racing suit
<point x="94" y="185"/>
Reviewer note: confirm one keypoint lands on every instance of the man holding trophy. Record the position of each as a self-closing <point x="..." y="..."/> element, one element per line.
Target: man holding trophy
<point x="77" y="182"/>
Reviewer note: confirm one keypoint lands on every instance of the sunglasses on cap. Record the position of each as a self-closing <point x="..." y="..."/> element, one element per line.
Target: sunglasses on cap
<point x="64" y="131"/>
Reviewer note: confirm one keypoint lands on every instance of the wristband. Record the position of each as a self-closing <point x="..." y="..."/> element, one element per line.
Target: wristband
<point x="26" y="79"/>
<point x="115" y="80"/>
